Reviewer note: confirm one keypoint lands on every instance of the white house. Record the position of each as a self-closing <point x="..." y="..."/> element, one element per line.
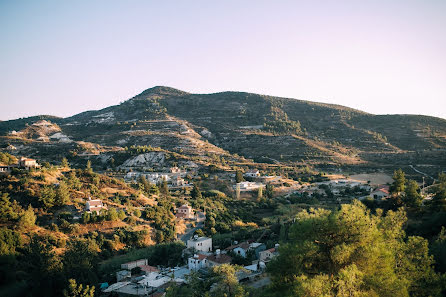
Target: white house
<point x="94" y="205"/>
<point x="197" y="262"/>
<point x="203" y="244"/>
<point x="28" y="163"/>
<point x="252" y="173"/>
<point x="249" y="186"/>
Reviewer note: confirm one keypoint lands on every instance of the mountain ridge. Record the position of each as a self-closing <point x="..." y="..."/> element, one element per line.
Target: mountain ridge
<point x="258" y="127"/>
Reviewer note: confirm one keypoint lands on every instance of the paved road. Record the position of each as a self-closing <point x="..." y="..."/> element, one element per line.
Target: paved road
<point x="418" y="171"/>
<point x="188" y="235"/>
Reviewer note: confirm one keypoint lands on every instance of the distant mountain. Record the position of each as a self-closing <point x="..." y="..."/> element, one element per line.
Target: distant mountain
<point x="262" y="128"/>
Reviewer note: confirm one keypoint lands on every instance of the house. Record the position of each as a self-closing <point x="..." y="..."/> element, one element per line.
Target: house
<point x="28" y="163"/>
<point x="175" y="170"/>
<point x="203" y="244"/>
<point x="257" y="247"/>
<point x="185" y="212"/>
<point x="248" y="186"/>
<point x="243" y="248"/>
<point x="147" y="269"/>
<point x="95" y="205"/>
<point x="197" y="262"/>
<point x="178" y="182"/>
<point x="134" y="264"/>
<point x="252" y="173"/>
<point x="218" y="259"/>
<point x="268" y="255"/>
<point x="123" y="274"/>
<point x="154" y="281"/>
<point x="380" y="193"/>
<point x="5" y="169"/>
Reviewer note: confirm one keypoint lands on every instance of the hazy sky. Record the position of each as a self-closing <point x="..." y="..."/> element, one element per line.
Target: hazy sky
<point x="63" y="57"/>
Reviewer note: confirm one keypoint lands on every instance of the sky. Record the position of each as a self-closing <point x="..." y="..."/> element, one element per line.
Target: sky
<point x="63" y="57"/>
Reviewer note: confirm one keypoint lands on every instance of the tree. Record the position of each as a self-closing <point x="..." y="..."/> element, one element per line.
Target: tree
<point x="269" y="191"/>
<point x="350" y="252"/>
<point x="64" y="163"/>
<point x="9" y="241"/>
<point x="121" y="214"/>
<point x="112" y="214"/>
<point x="137" y="213"/>
<point x="259" y="193"/>
<point x="62" y="194"/>
<point x="239" y="176"/>
<point x="164" y="189"/>
<point x="399" y="182"/>
<point x="196" y="193"/>
<point x="412" y="195"/>
<point x="6" y="211"/>
<point x="227" y="284"/>
<point x="80" y="261"/>
<point x="439" y="199"/>
<point x="75" y="290"/>
<point x="28" y="218"/>
<point x="88" y="168"/>
<point x="43" y="267"/>
<point x="47" y="196"/>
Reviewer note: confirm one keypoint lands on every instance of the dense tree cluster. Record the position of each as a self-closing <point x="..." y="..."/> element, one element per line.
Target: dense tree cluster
<point x="350" y="252"/>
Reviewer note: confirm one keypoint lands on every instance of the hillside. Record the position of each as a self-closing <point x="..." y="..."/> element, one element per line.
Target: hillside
<point x="263" y="128"/>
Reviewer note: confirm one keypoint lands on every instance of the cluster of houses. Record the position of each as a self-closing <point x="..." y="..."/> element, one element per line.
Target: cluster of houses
<point x="174" y="178"/>
<point x="23" y="163"/>
<point x="379" y="192"/>
<point x="152" y="281"/>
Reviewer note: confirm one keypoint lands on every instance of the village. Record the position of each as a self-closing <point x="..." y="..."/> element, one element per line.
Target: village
<point x="200" y="255"/>
<point x="138" y="278"/>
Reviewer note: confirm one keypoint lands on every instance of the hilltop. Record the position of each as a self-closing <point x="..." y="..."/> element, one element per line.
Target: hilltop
<point x="238" y="126"/>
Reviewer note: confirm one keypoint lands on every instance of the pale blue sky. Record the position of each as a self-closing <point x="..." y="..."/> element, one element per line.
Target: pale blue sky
<point x="64" y="57"/>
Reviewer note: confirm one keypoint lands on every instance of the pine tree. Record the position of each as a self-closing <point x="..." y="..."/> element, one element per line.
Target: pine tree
<point x="88" y="167"/>
<point x="196" y="193"/>
<point x="28" y="218"/>
<point x="75" y="290"/>
<point x="239" y="176"/>
<point x="399" y="182"/>
<point x="64" y="163"/>
<point x="62" y="194"/>
<point x="412" y="196"/>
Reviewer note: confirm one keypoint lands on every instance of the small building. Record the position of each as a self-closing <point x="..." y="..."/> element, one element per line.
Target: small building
<point x="380" y="193"/>
<point x="203" y="244"/>
<point x="175" y="170"/>
<point x="95" y="205"/>
<point x="185" y="212"/>
<point x="268" y="255"/>
<point x="218" y="259"/>
<point x="178" y="182"/>
<point x="197" y="262"/>
<point x="248" y="186"/>
<point x="123" y="274"/>
<point x="5" y="169"/>
<point x="147" y="269"/>
<point x="243" y="248"/>
<point x="252" y="173"/>
<point x="28" y="163"/>
<point x="134" y="264"/>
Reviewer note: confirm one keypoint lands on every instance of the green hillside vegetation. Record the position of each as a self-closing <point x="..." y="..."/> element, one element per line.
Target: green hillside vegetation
<point x="263" y="128"/>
